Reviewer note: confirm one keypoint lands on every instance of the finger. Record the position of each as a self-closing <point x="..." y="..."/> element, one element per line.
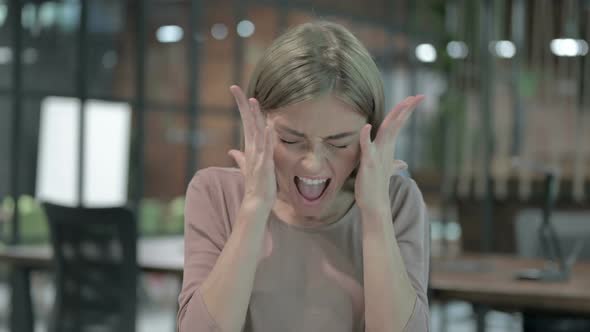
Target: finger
<point x="268" y="144"/>
<point x="394" y="113"/>
<point x="257" y="114"/>
<point x="239" y="96"/>
<point x="258" y="142"/>
<point x="258" y="136"/>
<point x="245" y="113"/>
<point x="402" y="108"/>
<point x="365" y="138"/>
<point x="391" y="119"/>
<point x="239" y="158"/>
<point x="405" y="114"/>
<point x="392" y="128"/>
<point x="258" y="125"/>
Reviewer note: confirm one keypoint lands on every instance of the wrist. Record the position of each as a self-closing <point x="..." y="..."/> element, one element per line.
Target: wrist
<point x="256" y="205"/>
<point x="378" y="212"/>
<point x="376" y="205"/>
<point x="376" y="219"/>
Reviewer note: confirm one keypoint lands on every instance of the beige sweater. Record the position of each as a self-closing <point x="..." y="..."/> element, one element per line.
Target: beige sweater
<point x="309" y="279"/>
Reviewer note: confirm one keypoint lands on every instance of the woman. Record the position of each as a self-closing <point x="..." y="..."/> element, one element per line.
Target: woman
<point x="315" y="231"/>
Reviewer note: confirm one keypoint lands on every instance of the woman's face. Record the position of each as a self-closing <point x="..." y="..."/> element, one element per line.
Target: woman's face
<point x="317" y="148"/>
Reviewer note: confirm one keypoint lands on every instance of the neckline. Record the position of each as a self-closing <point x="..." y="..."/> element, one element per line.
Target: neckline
<point x="319" y="228"/>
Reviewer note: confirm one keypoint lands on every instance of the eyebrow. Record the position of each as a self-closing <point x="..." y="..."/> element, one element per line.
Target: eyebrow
<point x="331" y="137"/>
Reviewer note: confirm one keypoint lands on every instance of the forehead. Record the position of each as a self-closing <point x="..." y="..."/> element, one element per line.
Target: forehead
<point x="322" y="117"/>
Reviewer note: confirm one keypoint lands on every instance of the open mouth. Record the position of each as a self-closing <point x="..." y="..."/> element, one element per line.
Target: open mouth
<point x="311" y="190"/>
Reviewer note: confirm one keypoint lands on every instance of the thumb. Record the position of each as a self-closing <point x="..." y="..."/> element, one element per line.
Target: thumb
<point x="239" y="158"/>
<point x="365" y="138"/>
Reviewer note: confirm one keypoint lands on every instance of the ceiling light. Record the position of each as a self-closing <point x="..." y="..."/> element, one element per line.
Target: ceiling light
<point x="569" y="47"/>
<point x="457" y="49"/>
<point x="219" y="31"/>
<point x="245" y="28"/>
<point x="169" y="34"/>
<point x="426" y="53"/>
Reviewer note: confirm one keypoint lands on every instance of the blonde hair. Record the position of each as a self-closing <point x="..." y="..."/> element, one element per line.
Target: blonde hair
<point x="315" y="59"/>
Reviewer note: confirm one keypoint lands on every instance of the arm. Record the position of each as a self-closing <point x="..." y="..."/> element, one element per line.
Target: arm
<point x="221" y="275"/>
<point x="217" y="283"/>
<point x="395" y="233"/>
<point x="226" y="291"/>
<point x="396" y="263"/>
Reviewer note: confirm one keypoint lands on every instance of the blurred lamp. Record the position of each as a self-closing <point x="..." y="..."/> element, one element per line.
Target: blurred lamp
<point x="457" y="49"/>
<point x="219" y="31"/>
<point x="426" y="53"/>
<point x="169" y="34"/>
<point x="3" y="13"/>
<point x="503" y="49"/>
<point x="245" y="28"/>
<point x="569" y="47"/>
<point x="5" y="55"/>
<point x="48" y="14"/>
<point x="69" y="15"/>
<point x="29" y="15"/>
<point x="106" y="152"/>
<point x="30" y="55"/>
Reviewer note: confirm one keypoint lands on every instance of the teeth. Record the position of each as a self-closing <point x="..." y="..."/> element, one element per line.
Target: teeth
<point x="312" y="181"/>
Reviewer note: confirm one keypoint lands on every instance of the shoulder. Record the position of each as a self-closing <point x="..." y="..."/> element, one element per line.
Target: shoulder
<point x="408" y="209"/>
<point x="212" y="196"/>
<point x="215" y="176"/>
<point x="217" y="180"/>
<point x="216" y="192"/>
<point x="403" y="190"/>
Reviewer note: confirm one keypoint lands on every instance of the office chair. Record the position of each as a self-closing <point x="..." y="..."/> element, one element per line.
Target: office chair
<point x="561" y="238"/>
<point x="96" y="268"/>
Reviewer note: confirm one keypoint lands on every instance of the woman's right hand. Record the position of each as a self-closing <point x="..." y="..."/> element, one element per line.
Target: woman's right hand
<point x="256" y="162"/>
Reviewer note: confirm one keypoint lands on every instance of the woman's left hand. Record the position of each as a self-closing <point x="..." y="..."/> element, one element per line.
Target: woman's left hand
<point x="377" y="162"/>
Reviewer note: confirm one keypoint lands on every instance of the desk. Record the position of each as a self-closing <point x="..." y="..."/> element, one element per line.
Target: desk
<point x="479" y="279"/>
<point x="488" y="280"/>
<point x="164" y="255"/>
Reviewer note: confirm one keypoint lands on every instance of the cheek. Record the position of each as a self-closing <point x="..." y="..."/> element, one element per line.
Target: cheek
<point x="346" y="162"/>
<point x="283" y="160"/>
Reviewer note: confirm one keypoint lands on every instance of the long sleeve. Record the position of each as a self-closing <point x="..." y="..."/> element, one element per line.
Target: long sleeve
<point x="412" y="232"/>
<point x="206" y="231"/>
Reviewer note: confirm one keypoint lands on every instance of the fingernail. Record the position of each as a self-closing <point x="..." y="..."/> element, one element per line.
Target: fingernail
<point x="400" y="165"/>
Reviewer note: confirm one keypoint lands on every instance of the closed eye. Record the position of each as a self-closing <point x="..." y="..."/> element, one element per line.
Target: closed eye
<point x="339" y="146"/>
<point x="287" y="142"/>
<point x="332" y="145"/>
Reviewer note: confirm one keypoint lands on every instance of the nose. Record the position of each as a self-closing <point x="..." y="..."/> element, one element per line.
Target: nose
<point x="313" y="161"/>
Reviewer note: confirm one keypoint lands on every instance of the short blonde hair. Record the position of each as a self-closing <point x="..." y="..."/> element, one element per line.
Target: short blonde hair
<point x="315" y="59"/>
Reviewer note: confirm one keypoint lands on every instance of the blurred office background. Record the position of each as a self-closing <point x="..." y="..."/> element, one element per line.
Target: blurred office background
<point x="119" y="102"/>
